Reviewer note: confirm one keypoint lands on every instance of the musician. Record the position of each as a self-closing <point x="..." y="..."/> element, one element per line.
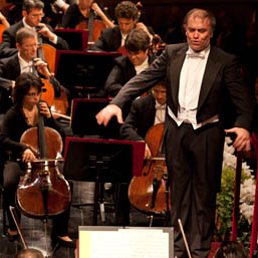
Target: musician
<point x="145" y="112"/>
<point x="20" y="117"/>
<point x="112" y="39"/>
<point x="32" y="15"/>
<point x="24" y="60"/>
<point x="80" y="11"/>
<point x="138" y="58"/>
<point x="201" y="80"/>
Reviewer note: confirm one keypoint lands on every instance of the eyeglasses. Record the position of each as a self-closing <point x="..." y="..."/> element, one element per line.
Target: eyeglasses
<point x="33" y="94"/>
<point x="31" y="46"/>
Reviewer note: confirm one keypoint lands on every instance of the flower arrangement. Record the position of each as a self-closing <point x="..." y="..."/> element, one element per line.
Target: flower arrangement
<point x="225" y="198"/>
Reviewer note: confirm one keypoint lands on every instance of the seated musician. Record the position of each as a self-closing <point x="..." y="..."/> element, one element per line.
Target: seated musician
<point x="80" y="12"/>
<point x="112" y="39"/>
<point x="20" y="117"/>
<point x="32" y="16"/>
<point x="145" y="112"/>
<point x="23" y="61"/>
<point x="136" y="60"/>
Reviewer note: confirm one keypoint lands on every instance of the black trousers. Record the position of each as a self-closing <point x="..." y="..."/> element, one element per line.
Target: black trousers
<point x="12" y="172"/>
<point x="194" y="160"/>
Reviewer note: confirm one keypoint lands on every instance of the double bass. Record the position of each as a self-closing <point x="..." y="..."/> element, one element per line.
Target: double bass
<point x="43" y="191"/>
<point x="149" y="193"/>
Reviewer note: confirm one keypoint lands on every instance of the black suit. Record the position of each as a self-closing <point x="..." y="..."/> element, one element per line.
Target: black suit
<point x="194" y="157"/>
<point x="109" y="40"/>
<point x="9" y="71"/>
<point x="141" y="117"/>
<point x="120" y="74"/>
<point x="8" y="45"/>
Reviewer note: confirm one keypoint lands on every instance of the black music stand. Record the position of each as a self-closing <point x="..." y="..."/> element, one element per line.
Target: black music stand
<point x="84" y="73"/>
<point x="76" y="39"/>
<point x="84" y="124"/>
<point x="102" y="161"/>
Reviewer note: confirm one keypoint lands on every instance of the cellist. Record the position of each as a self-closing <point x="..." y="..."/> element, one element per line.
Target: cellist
<point x="145" y="112"/>
<point x="32" y="12"/>
<point x="25" y="60"/>
<point x="79" y="12"/>
<point x="20" y="117"/>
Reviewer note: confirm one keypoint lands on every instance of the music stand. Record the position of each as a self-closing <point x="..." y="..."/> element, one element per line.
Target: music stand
<point x="100" y="161"/>
<point x="84" y="73"/>
<point x="77" y="39"/>
<point x="83" y="122"/>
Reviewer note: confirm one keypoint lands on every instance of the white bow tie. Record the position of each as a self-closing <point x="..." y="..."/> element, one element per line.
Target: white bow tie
<point x="195" y="54"/>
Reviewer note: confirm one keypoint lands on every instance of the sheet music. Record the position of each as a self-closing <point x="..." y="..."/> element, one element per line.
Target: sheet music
<point x="124" y="244"/>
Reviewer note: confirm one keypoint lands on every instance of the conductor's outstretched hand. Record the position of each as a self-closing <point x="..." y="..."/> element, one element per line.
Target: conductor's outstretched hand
<point x="104" y="116"/>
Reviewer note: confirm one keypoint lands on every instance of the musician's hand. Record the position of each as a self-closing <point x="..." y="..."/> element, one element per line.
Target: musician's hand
<point x="242" y="141"/>
<point x="95" y="7"/>
<point x="28" y="156"/>
<point x="104" y="116"/>
<point x="44" y="31"/>
<point x="42" y="67"/>
<point x="44" y="110"/>
<point x="147" y="152"/>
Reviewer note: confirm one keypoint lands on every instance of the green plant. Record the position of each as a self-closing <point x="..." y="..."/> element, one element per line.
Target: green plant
<point x="225" y="200"/>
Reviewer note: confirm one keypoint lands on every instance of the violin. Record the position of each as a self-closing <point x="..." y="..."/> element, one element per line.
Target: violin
<point x="43" y="191"/>
<point x="149" y="193"/>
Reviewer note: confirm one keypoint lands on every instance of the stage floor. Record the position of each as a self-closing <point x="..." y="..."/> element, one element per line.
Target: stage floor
<point x="33" y="229"/>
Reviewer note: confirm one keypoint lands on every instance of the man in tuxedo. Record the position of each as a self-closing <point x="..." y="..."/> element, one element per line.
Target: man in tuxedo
<point x="32" y="15"/>
<point x="145" y="112"/>
<point x="24" y="60"/>
<point x="112" y="39"/>
<point x="201" y="81"/>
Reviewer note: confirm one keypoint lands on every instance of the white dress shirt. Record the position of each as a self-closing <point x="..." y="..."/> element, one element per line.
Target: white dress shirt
<point x="141" y="67"/>
<point x="190" y="83"/>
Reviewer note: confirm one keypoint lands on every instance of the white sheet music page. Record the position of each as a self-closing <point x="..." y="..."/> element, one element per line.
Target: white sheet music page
<point x="124" y="243"/>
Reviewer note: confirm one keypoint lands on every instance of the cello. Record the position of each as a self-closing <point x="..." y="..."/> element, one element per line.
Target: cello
<point x="43" y="191"/>
<point x="149" y="192"/>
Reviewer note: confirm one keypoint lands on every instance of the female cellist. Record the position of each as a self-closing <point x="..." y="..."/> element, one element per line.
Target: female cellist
<point x="23" y="115"/>
<point x="80" y="12"/>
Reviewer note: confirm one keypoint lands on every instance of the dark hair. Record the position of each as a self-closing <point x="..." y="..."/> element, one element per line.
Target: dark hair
<point x="23" y="83"/>
<point x="231" y="249"/>
<point x="29" y="253"/>
<point x="202" y="14"/>
<point x="162" y="83"/>
<point x="127" y="10"/>
<point x="24" y="33"/>
<point x="29" y="4"/>
<point x="137" y="40"/>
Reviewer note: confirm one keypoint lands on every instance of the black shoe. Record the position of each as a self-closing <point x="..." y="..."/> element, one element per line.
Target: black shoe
<point x="58" y="241"/>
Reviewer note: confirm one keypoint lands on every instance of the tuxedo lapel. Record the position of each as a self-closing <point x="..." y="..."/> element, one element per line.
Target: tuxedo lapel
<point x="210" y="74"/>
<point x="176" y="66"/>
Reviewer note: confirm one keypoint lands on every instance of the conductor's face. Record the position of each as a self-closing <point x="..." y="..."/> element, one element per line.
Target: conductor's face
<point x="198" y="33"/>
